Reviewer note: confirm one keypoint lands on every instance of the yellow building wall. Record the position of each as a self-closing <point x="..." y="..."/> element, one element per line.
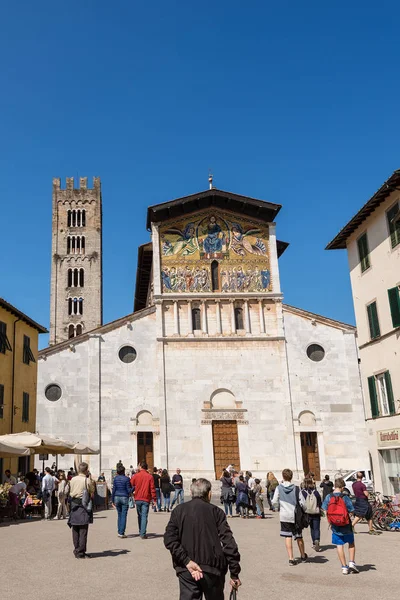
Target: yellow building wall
<point x="25" y="380"/>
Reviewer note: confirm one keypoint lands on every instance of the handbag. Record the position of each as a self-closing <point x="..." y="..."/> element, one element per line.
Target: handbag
<point x="171" y="487"/>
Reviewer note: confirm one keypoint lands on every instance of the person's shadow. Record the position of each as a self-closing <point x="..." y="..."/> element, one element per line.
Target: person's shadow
<point x="150" y="536"/>
<point x="367" y="567"/>
<point x="107" y="553"/>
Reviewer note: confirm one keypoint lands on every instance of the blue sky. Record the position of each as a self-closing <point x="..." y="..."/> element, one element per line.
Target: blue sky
<point x="295" y="103"/>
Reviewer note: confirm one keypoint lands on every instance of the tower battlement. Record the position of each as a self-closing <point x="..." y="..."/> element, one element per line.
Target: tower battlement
<point x="70" y="183"/>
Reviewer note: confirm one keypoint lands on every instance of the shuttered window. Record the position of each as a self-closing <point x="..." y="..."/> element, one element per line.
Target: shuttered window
<point x="373" y="397"/>
<point x="373" y="321"/>
<point x="27" y="355"/>
<point x="25" y="407"/>
<point x="393" y="218"/>
<point x="394" y="302"/>
<point x="389" y="391"/>
<point x="363" y="252"/>
<point x="196" y="319"/>
<point x="1" y="400"/>
<point x="4" y="343"/>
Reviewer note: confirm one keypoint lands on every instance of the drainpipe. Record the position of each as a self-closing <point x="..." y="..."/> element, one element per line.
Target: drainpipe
<point x="13" y="378"/>
<point x="290" y="393"/>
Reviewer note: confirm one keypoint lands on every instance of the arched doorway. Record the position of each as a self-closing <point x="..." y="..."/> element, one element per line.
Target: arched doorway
<point x="309" y="444"/>
<point x="145" y="448"/>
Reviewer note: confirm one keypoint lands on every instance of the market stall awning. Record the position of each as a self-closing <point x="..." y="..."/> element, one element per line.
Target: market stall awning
<point x="40" y="444"/>
<point x="8" y="449"/>
<point x="82" y="449"/>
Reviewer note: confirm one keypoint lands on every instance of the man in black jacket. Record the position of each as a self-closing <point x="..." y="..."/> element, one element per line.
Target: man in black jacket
<point x="202" y="546"/>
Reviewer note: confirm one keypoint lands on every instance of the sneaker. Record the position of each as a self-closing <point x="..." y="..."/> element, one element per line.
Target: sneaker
<point x="317" y="547"/>
<point x="143" y="537"/>
<point x="292" y="563"/>
<point x="374" y="532"/>
<point x="345" y="570"/>
<point x="122" y="536"/>
<point x="304" y="558"/>
<point x="353" y="568"/>
<point x="257" y="517"/>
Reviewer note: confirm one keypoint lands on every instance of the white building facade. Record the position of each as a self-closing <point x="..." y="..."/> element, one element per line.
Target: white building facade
<point x="211" y="368"/>
<point x="372" y="240"/>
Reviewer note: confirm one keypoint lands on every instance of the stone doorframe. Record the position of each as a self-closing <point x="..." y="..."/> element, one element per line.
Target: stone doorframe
<point x="154" y="428"/>
<point x="314" y="425"/>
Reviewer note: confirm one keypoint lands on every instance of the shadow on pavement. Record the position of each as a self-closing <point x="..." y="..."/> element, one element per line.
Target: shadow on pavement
<point x="150" y="536"/>
<point x="317" y="559"/>
<point x="107" y="553"/>
<point x="367" y="567"/>
<point x="327" y="547"/>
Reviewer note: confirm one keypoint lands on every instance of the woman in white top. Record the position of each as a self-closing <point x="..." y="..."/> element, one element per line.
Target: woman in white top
<point x="63" y="493"/>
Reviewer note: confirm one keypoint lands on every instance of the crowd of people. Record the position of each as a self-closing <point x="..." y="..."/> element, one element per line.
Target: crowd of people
<point x="198" y="536"/>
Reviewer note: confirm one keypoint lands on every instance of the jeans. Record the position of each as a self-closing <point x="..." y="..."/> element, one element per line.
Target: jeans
<point x="158" y="494"/>
<point x="228" y="508"/>
<point x="167" y="500"/>
<point x="48" y="508"/>
<point x="142" y="508"/>
<point x="122" y="506"/>
<point x="315" y="527"/>
<point x="260" y="507"/>
<point x="62" y="508"/>
<point x="178" y="498"/>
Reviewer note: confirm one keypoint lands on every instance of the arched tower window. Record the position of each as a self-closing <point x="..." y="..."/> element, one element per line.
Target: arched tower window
<point x="69" y="283"/>
<point x="80" y="306"/>
<point x="68" y="245"/>
<point x="81" y="277"/>
<point x="70" y="306"/>
<point x="79" y="329"/>
<point x="82" y="245"/>
<point x="83" y="218"/>
<point x="239" y="318"/>
<point x="196" y="319"/>
<point x="71" y="332"/>
<point x="215" y="276"/>
<point x="75" y="277"/>
<point x="74" y="218"/>
<point x="69" y="220"/>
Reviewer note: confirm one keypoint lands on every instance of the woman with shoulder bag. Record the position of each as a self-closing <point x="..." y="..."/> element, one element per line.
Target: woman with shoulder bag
<point x="62" y="494"/>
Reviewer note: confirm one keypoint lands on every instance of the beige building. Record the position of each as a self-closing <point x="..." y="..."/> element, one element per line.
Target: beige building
<point x="372" y="239"/>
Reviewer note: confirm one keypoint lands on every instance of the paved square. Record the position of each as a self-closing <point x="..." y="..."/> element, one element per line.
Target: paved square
<point x="37" y="562"/>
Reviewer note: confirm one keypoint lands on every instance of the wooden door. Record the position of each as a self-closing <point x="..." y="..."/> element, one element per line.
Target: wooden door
<point x="226" y="446"/>
<point x="309" y="451"/>
<point x="145" y="448"/>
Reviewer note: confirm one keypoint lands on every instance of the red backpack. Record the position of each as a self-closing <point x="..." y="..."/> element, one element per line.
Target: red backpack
<point x="337" y="512"/>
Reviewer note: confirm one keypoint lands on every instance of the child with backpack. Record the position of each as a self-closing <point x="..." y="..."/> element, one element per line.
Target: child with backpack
<point x="311" y="502"/>
<point x="338" y="508"/>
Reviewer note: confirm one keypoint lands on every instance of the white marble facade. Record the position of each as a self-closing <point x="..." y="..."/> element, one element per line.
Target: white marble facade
<point x="182" y="380"/>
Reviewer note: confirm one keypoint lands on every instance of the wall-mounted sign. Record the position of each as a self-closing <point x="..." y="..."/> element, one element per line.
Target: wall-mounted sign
<point x="388" y="437"/>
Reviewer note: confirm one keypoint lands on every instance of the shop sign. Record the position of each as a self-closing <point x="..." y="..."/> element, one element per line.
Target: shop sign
<point x="389" y="437"/>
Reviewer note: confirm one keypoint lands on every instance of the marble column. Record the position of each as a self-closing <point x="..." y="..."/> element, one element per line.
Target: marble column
<point x="189" y="316"/>
<point x="262" y="320"/>
<point x="204" y="316"/>
<point x="233" y="323"/>
<point x="176" y="317"/>
<point x="247" y="316"/>
<point x="218" y="316"/>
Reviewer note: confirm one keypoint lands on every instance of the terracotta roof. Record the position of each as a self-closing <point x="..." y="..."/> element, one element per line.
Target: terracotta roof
<point x="260" y="209"/>
<point x="22" y="316"/>
<point x="339" y="242"/>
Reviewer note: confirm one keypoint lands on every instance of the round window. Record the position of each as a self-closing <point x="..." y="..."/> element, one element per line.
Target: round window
<point x="315" y="352"/>
<point x="53" y="392"/>
<point x="127" y="354"/>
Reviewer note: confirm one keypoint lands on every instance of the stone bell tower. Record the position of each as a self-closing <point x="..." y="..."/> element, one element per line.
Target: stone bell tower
<point x="76" y="304"/>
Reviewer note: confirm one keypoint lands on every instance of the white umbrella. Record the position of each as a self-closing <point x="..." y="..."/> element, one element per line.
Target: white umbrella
<point x="82" y="449"/>
<point x="8" y="449"/>
<point x="40" y="444"/>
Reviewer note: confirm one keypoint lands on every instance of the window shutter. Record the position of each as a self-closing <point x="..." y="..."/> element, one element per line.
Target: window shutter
<point x="394" y="302"/>
<point x="1" y="400"/>
<point x="389" y="390"/>
<point x="363" y="252"/>
<point x="373" y="321"/>
<point x="394" y="225"/>
<point x="373" y="397"/>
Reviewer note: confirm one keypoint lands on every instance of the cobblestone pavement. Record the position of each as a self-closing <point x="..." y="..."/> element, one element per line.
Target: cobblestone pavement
<point x="37" y="562"/>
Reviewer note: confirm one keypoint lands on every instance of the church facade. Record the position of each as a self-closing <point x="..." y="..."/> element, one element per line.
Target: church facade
<point x="212" y="367"/>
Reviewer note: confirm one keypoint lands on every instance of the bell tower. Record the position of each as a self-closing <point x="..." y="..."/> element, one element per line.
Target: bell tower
<point x="76" y="303"/>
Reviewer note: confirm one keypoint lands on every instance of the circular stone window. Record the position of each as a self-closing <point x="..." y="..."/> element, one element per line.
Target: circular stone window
<point x="127" y="354"/>
<point x="53" y="392"/>
<point x="315" y="352"/>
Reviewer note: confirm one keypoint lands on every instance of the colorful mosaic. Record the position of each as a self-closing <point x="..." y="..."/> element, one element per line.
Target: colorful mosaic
<point x="215" y="251"/>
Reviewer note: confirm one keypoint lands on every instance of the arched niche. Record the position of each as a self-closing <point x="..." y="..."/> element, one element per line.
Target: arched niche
<point x="307" y="419"/>
<point x="144" y="417"/>
<point x="222" y="399"/>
